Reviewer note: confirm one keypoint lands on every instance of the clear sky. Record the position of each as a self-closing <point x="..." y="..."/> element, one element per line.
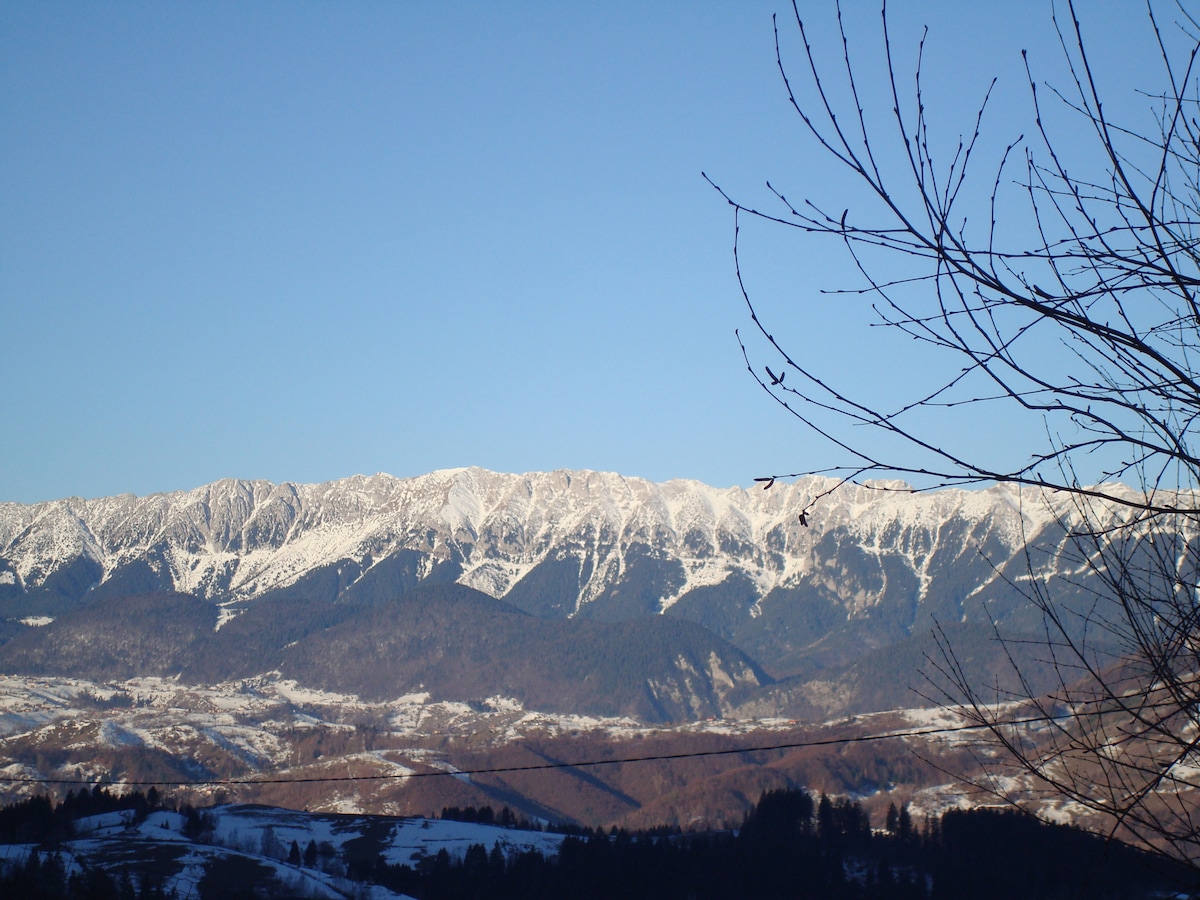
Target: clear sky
<point x="300" y="241"/>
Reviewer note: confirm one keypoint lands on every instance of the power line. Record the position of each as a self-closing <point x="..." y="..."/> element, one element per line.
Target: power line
<point x="536" y="767"/>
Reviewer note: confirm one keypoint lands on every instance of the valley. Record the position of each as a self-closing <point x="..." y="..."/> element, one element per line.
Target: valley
<point x="470" y="638"/>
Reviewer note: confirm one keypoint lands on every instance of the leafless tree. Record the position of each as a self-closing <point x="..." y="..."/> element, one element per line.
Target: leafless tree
<point x="1060" y="282"/>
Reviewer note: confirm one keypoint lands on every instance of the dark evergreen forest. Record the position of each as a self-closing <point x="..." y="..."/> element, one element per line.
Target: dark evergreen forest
<point x="792" y="845"/>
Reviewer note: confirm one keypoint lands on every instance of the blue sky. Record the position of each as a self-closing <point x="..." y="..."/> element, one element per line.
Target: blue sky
<point x="303" y="241"/>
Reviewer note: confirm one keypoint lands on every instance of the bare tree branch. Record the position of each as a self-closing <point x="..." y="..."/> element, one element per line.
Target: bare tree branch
<point x="1080" y="309"/>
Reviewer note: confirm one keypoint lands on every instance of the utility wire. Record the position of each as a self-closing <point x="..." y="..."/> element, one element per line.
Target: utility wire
<point x="536" y="767"/>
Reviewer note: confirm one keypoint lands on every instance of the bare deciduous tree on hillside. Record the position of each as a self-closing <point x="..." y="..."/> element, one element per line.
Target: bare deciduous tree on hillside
<point x="1057" y="275"/>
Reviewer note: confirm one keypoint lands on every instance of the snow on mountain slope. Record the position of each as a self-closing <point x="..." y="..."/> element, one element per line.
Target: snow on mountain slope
<point x="235" y="540"/>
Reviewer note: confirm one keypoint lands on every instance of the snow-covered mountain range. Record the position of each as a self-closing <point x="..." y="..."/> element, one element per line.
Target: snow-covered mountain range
<point x="233" y="541"/>
<point x="247" y="627"/>
<point x="797" y="584"/>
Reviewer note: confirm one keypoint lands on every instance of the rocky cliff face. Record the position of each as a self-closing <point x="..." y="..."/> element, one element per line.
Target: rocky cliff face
<point x="805" y="603"/>
<point x="234" y="541"/>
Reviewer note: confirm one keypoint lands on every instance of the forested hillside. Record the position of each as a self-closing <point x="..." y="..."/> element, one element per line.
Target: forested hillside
<point x="792" y="845"/>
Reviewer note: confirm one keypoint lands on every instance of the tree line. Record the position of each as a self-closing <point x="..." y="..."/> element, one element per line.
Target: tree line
<point x="795" y="845"/>
<point x="791" y="844"/>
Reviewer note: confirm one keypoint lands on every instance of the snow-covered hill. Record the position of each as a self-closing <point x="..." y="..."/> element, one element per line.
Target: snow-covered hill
<point x="254" y="842"/>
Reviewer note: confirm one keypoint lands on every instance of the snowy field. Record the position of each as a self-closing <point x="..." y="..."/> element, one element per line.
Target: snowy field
<point x="263" y="837"/>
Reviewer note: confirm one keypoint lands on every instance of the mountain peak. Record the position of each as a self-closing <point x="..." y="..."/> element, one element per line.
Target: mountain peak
<point x="233" y="540"/>
<point x="867" y="567"/>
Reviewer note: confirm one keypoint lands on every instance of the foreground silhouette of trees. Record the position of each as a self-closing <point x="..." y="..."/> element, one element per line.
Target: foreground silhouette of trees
<point x="795" y="846"/>
<point x="1052" y="278"/>
<point x="791" y="845"/>
<point x="44" y="825"/>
